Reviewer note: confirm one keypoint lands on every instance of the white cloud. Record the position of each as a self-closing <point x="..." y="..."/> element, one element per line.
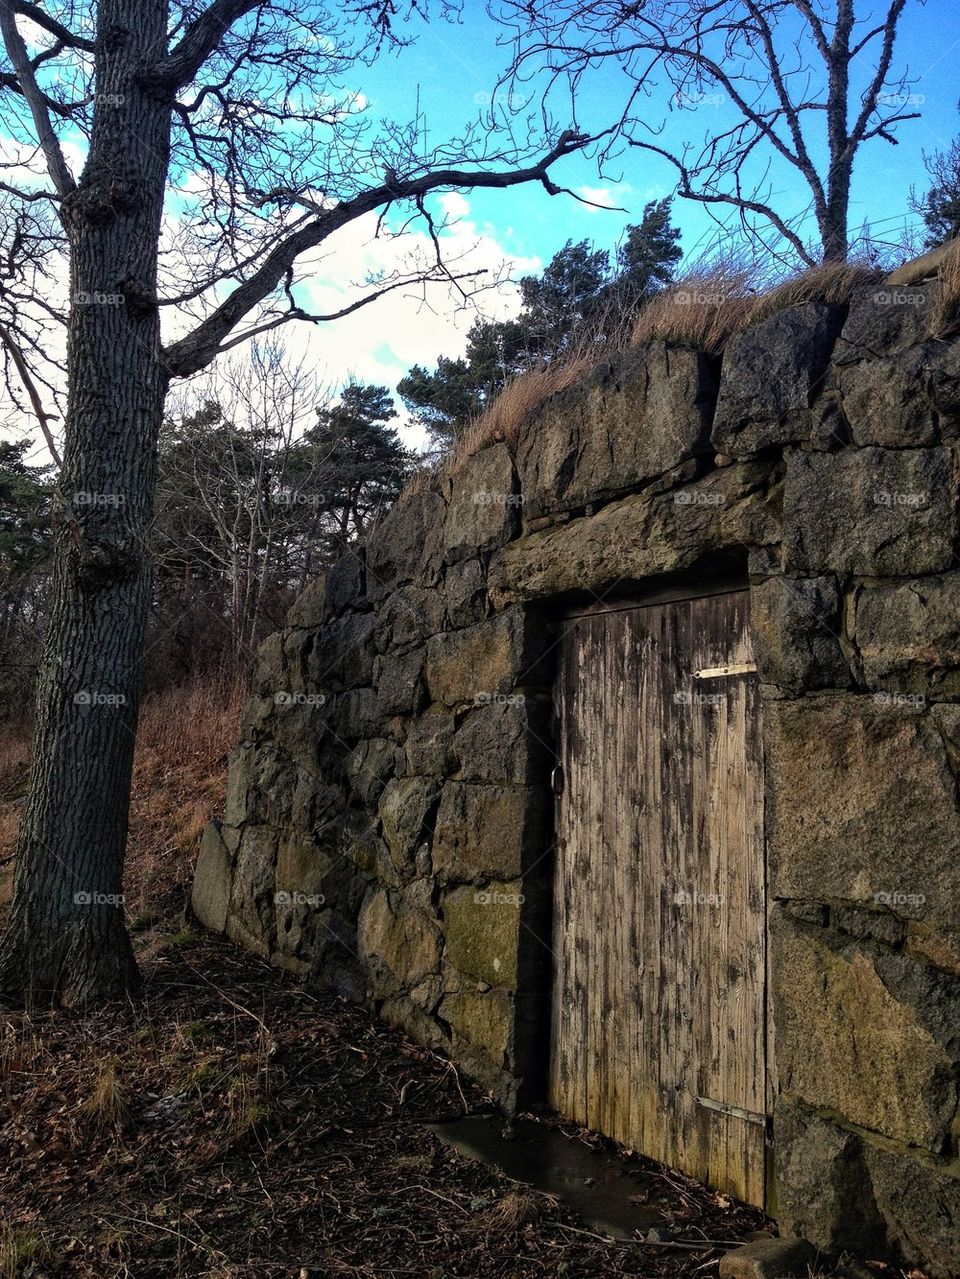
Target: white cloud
<point x="454" y="204"/>
<point x="602" y="196"/>
<point x="380" y="342"/>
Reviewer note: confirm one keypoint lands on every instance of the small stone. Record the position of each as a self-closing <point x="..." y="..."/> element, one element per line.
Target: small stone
<point x="769" y="1259"/>
<point x="212" y="880"/>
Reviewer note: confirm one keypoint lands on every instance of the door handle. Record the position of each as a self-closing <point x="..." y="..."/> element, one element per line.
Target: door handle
<point x="557" y="779"/>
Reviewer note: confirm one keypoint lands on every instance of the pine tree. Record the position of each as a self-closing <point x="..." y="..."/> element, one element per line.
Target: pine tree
<point x="365" y="463"/>
<point x="578" y="293"/>
<point x="940" y="206"/>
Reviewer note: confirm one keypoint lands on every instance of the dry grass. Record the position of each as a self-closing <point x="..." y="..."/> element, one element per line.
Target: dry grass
<point x="23" y="1250"/>
<point x="832" y="282"/>
<point x="502" y="419"/>
<point x="703" y="309"/>
<point x="179" y="783"/>
<point x="108" y="1104"/>
<point x="14" y="765"/>
<point x="945" y="318"/>
<point x="718" y="299"/>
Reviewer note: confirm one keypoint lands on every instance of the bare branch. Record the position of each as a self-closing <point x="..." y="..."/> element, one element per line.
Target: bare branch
<point x="60" y="174"/>
<point x="42" y="19"/>
<point x="200" y="40"/>
<point x="13" y="349"/>
<point x="199" y="348"/>
<point x="871" y="97"/>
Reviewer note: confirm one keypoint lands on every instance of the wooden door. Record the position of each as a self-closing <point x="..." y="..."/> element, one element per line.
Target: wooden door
<point x="659" y="1022"/>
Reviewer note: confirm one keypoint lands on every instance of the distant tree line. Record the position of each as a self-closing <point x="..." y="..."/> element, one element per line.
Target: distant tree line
<point x="262" y="483"/>
<point x="939" y="207"/>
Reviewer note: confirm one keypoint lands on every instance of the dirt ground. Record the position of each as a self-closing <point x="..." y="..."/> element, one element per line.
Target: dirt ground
<point x="234" y="1124"/>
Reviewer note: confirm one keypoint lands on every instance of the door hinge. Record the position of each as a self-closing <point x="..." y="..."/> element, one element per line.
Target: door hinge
<point x="720" y="672"/>
<point x="738" y="1112"/>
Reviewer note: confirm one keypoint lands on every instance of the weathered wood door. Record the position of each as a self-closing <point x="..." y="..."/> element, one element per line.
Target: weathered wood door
<point x="659" y="1021"/>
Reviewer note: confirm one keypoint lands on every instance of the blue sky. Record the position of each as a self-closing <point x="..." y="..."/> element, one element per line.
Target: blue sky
<point x="448" y="75"/>
<point x="450" y="66"/>
<point x="451" y="70"/>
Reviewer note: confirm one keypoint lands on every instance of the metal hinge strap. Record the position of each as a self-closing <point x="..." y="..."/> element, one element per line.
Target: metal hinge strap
<point x="751" y="1116"/>
<point x="719" y="672"/>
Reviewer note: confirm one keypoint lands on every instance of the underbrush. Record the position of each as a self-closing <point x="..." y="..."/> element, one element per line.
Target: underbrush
<point x="179" y="783"/>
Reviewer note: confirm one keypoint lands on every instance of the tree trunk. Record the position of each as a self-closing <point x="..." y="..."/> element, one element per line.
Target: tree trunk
<point x="834" y="225"/>
<point x="66" y="940"/>
<point x="835" y="210"/>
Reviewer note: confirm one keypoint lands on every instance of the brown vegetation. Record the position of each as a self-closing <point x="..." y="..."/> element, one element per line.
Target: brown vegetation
<point x="179" y="781"/>
<point x="946" y="312"/>
<point x="832" y="282"/>
<point x="704" y="308"/>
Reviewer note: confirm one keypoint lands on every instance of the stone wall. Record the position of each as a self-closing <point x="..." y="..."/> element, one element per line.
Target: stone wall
<point x="388" y="825"/>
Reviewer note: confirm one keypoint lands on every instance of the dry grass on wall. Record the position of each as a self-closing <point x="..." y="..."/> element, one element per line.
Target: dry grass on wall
<point x="704" y="308"/>
<point x="179" y="783"/>
<point x="834" y="282"/>
<point x="945" y="317"/>
<point x="712" y="303"/>
<point x="502" y="420"/>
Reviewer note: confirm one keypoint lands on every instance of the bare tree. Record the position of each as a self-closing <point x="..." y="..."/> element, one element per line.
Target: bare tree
<point x="32" y="319"/>
<point x="791" y="81"/>
<point x="220" y="149"/>
<point x="239" y="496"/>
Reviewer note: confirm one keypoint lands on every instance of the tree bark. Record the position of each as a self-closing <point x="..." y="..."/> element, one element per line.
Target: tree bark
<point x="66" y="941"/>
